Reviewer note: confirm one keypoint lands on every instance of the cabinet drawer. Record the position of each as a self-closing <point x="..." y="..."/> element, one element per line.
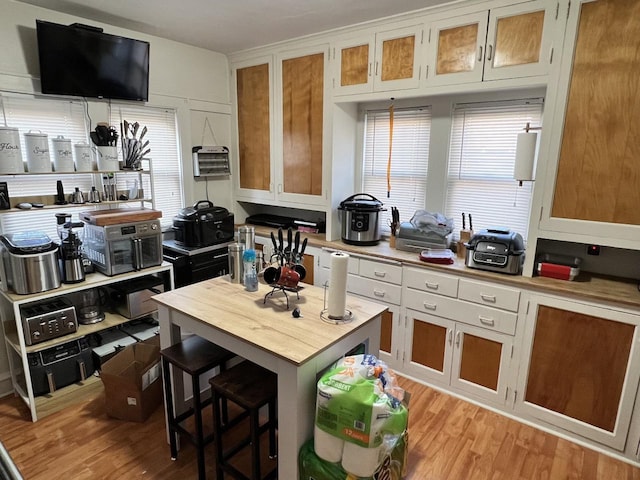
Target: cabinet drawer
<point x="325" y="261"/>
<point x="489" y="295"/>
<point x="432" y="282"/>
<point x="381" y="291"/>
<point x="465" y="312"/>
<point x="381" y="271"/>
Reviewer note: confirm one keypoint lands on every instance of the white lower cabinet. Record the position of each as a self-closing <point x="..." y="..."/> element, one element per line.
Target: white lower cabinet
<point x="580" y="368"/>
<point x="453" y="339"/>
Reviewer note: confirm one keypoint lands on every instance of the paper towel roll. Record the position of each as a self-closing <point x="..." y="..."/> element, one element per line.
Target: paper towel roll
<point x="525" y="156"/>
<point x="337" y="295"/>
<point x="360" y="461"/>
<point x="327" y="447"/>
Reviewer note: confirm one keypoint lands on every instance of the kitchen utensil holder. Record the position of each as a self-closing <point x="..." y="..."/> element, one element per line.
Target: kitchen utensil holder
<point x="283" y="289"/>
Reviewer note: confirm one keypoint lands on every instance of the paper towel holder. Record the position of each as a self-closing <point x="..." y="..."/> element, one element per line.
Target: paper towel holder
<point x="525" y="155"/>
<point x="324" y="314"/>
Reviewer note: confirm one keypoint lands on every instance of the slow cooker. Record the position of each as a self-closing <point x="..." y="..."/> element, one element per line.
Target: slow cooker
<point x="203" y="225"/>
<point x="360" y="215"/>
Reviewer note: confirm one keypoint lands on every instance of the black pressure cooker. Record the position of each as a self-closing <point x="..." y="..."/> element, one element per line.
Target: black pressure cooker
<point x="360" y="219"/>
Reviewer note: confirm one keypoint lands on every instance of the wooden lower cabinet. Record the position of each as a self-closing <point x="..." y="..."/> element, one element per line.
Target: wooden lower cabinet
<point x="472" y="360"/>
<point x="580" y="368"/>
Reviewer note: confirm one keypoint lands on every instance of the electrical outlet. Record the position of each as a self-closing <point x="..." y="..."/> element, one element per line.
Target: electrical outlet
<point x="593" y="250"/>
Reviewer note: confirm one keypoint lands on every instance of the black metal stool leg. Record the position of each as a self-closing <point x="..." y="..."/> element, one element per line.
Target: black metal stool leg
<point x="195" y="381"/>
<point x="217" y="432"/>
<point x="255" y="443"/>
<point x="273" y="452"/>
<point x="168" y="395"/>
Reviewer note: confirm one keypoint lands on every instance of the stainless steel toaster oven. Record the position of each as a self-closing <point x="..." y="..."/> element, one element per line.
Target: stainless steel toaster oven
<point x="124" y="247"/>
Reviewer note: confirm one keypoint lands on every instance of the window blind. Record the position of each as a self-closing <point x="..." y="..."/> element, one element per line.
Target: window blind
<point x="162" y="134"/>
<point x="52" y="116"/>
<point x="481" y="161"/>
<point x="409" y="160"/>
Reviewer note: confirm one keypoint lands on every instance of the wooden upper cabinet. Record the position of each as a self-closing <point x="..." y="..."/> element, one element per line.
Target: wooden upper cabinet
<point x="598" y="174"/>
<point x="456" y="51"/>
<point x="398" y="56"/>
<point x="519" y="40"/>
<point x="302" y="124"/>
<point x="252" y="84"/>
<point x="353" y="65"/>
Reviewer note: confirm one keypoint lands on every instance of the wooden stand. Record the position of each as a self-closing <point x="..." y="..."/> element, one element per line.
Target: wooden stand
<point x="465" y="236"/>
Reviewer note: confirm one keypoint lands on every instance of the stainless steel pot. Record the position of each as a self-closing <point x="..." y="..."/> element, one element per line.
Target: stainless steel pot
<point x="360" y="215"/>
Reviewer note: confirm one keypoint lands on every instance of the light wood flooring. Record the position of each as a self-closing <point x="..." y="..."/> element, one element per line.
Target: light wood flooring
<point x="448" y="439"/>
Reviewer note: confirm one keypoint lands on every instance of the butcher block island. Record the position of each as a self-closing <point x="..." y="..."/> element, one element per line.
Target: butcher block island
<point x="263" y="330"/>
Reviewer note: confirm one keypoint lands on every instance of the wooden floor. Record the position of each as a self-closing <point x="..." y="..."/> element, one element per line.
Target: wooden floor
<point x="448" y="439"/>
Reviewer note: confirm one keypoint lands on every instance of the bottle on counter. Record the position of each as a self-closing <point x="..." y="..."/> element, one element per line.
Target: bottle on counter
<point x="249" y="268"/>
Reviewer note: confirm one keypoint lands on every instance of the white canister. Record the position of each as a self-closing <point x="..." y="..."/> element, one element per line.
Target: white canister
<point x="84" y="157"/>
<point x="10" y="152"/>
<point x="108" y="159"/>
<point x="38" y="159"/>
<point x="62" y="154"/>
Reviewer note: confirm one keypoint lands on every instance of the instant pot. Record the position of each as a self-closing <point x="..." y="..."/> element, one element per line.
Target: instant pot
<point x="360" y="215"/>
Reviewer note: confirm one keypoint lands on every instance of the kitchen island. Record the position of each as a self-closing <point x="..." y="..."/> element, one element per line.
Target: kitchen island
<point x="262" y="330"/>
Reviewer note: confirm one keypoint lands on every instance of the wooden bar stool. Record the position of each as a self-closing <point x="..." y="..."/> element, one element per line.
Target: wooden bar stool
<point x="195" y="356"/>
<point x="250" y="387"/>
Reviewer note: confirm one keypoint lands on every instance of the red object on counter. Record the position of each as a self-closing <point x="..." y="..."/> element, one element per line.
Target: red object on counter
<point x="553" y="270"/>
<point x="442" y="257"/>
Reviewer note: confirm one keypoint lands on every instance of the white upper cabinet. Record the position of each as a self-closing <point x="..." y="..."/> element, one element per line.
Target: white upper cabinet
<point x="380" y="61"/>
<point x="502" y="43"/>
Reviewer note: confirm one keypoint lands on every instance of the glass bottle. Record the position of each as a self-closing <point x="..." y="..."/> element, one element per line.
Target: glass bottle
<point x="250" y="273"/>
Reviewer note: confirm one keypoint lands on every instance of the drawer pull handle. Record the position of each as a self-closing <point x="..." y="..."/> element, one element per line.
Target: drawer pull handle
<point x="429" y="306"/>
<point x="380" y="274"/>
<point x="488" y="298"/>
<point x="487" y="321"/>
<point x="432" y="286"/>
<point x="378" y="293"/>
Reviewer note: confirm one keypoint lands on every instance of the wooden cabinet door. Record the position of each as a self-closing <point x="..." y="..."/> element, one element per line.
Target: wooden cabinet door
<point x="398" y="55"/>
<point x="580" y="368"/>
<point x="481" y="360"/>
<point x="598" y="170"/>
<point x="428" y="344"/>
<point x="456" y="49"/>
<point x="302" y="124"/>
<point x="254" y="113"/>
<point x="519" y="40"/>
<point x="353" y="60"/>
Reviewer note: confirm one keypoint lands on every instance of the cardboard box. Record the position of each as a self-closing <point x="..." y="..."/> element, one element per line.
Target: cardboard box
<point x="133" y="382"/>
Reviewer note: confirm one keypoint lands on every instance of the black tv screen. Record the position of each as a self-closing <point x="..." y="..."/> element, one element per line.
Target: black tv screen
<point x="84" y="62"/>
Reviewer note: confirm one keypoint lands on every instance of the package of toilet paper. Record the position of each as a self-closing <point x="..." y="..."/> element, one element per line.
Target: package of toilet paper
<point x="352" y="406"/>
<point x="392" y="465"/>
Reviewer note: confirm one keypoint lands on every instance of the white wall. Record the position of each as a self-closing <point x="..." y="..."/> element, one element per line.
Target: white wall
<point x="192" y="80"/>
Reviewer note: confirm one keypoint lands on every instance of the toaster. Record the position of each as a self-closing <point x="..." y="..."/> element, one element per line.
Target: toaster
<point x="496" y="249"/>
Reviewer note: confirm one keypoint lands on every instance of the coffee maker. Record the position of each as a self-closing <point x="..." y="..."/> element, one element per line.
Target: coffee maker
<point x="72" y="269"/>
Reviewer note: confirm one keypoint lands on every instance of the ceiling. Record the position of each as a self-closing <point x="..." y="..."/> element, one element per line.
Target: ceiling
<point x="228" y="26"/>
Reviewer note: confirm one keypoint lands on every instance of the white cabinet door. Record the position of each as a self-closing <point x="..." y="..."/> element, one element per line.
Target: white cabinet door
<point x="397" y="58"/>
<point x="352" y="62"/>
<point x="580" y="368"/>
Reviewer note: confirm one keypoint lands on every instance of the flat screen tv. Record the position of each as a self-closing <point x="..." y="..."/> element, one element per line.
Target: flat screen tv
<point x="82" y="61"/>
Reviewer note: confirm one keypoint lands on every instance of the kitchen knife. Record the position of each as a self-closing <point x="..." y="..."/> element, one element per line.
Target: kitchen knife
<point x="296" y="245"/>
<point x="275" y="245"/>
<point x="470" y="223"/>
<point x="304" y="245"/>
<point x="464" y="222"/>
<point x="287" y="250"/>
<point x="281" y="247"/>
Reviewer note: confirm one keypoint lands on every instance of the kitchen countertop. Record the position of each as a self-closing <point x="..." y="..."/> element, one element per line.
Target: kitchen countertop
<point x="586" y="286"/>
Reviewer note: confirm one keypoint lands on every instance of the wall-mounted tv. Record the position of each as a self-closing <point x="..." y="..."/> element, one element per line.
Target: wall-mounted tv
<point x="82" y="61"/>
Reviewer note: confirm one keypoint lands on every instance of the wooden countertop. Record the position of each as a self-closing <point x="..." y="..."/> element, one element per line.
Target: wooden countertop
<point x="228" y="307"/>
<point x="615" y="291"/>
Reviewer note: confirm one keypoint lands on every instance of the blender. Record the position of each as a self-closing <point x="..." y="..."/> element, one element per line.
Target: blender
<point x="71" y="255"/>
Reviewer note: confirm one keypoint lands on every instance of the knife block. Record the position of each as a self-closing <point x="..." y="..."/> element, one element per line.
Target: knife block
<point x="465" y="236"/>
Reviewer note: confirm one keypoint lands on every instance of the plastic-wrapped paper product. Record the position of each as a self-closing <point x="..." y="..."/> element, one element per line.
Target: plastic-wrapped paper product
<point x="359" y="406"/>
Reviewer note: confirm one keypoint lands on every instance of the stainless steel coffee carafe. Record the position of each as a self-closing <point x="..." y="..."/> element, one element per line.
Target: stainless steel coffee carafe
<point x="236" y="268"/>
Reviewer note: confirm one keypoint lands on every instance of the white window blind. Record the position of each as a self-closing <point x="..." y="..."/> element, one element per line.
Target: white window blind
<point x="409" y="160"/>
<point x="481" y="161"/>
<point x="53" y="117"/>
<point x="162" y="134"/>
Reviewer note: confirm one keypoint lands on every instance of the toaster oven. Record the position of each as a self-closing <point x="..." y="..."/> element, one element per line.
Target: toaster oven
<point x="124" y="247"/>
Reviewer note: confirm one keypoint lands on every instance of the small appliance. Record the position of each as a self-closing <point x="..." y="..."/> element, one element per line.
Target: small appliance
<point x="203" y="225"/>
<point x="210" y="161"/>
<point x="412" y="239"/>
<point x="90" y="305"/>
<point x="195" y="264"/>
<point x="496" y="249"/>
<point x="59" y="366"/>
<point x="49" y="319"/>
<point x="132" y="298"/>
<point x="360" y="215"/>
<point x="125" y="247"/>
<point x="29" y="262"/>
<point x="71" y="255"/>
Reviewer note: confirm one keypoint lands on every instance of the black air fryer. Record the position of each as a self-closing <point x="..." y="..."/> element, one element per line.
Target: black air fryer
<point x="203" y="225"/>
